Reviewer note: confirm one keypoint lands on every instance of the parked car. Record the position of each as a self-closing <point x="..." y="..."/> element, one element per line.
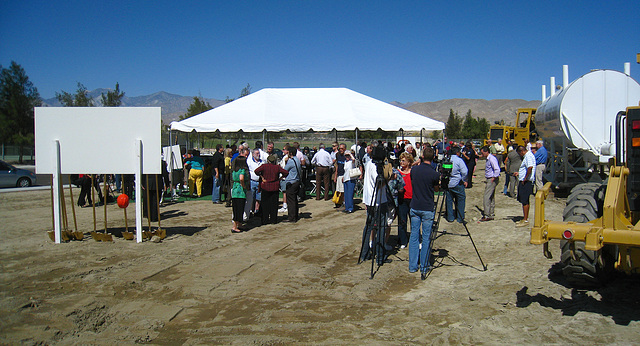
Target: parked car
<point x="11" y="176"/>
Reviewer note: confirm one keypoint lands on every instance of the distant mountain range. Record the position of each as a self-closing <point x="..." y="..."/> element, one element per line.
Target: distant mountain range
<point x="173" y="106"/>
<point x="493" y="110"/>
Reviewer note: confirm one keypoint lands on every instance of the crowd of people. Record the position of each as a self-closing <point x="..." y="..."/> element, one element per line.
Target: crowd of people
<point x="251" y="180"/>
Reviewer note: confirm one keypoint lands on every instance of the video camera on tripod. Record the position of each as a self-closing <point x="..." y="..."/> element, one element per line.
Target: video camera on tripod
<point x="445" y="168"/>
<point x="378" y="155"/>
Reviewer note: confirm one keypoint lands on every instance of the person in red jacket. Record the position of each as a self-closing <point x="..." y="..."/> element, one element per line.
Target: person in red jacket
<point x="270" y="175"/>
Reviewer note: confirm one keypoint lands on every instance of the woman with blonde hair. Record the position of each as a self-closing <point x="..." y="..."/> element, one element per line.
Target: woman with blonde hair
<point x="226" y="180"/>
<point x="404" y="198"/>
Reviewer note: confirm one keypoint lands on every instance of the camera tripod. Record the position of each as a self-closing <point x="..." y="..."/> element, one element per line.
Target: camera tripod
<point x="440" y="202"/>
<point x="376" y="224"/>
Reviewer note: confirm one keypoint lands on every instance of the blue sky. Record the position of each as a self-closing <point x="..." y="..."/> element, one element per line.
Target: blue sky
<point x="391" y="50"/>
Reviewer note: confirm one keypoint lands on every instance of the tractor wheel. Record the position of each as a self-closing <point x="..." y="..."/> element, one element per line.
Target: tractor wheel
<point x="586" y="268"/>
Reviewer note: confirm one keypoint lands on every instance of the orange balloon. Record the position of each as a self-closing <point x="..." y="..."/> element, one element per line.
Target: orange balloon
<point x="123" y="201"/>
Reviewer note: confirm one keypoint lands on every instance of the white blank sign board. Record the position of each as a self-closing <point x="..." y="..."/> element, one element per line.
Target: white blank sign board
<point x="98" y="139"/>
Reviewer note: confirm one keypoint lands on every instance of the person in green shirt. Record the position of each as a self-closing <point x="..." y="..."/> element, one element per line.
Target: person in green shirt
<point x="240" y="183"/>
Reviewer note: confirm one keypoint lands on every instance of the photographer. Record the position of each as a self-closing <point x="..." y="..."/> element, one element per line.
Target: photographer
<point x="376" y="200"/>
<point x="457" y="183"/>
<point x="424" y="182"/>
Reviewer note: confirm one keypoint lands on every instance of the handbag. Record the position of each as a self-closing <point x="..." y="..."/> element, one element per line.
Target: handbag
<point x="354" y="173"/>
<point x="302" y="191"/>
<point x="338" y="197"/>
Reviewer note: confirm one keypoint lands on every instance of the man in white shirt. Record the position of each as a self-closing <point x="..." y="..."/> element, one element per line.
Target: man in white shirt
<point x="499" y="151"/>
<point x="253" y="195"/>
<point x="263" y="154"/>
<point x="526" y="176"/>
<point x="323" y="162"/>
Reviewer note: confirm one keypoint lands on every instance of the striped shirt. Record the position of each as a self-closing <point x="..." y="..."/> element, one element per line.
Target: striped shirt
<point x="527" y="161"/>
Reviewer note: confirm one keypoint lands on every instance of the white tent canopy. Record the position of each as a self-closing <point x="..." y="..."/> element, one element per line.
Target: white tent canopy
<point x="303" y="109"/>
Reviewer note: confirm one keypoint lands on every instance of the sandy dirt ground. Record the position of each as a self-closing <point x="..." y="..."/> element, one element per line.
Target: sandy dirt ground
<point x="293" y="283"/>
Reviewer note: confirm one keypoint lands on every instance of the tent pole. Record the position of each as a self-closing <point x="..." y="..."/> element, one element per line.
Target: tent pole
<point x="336" y="135"/>
<point x="421" y="136"/>
<point x="357" y="141"/>
<point x="263" y="136"/>
<point x="170" y="159"/>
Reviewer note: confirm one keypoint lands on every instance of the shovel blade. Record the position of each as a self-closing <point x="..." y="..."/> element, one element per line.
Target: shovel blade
<point x="96" y="236"/>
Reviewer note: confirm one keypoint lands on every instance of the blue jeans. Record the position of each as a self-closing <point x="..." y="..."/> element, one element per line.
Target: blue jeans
<point x="255" y="190"/>
<point x="506" y="182"/>
<point x="425" y="219"/>
<point x="118" y="182"/>
<point x="403" y="216"/>
<point x="215" y="192"/>
<point x="456" y="193"/>
<point x="349" y="188"/>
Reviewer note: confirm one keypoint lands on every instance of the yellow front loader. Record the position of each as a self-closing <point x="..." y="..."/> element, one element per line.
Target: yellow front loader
<point x="524" y="128"/>
<point x="601" y="229"/>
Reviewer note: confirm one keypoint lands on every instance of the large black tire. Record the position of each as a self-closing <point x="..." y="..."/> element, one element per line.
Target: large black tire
<point x="586" y="268"/>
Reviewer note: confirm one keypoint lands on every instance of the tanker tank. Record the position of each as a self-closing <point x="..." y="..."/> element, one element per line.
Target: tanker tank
<point x="583" y="114"/>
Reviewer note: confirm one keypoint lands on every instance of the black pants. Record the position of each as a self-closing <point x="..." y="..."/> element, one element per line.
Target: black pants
<point x="292" y="200"/>
<point x="269" y="206"/>
<point x="128" y="184"/>
<point x="237" y="205"/>
<point x="470" y="176"/>
<point x="85" y="191"/>
<point x="152" y="206"/>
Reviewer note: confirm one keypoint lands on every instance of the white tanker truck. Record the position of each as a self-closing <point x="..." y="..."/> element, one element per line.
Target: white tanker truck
<point x="577" y="124"/>
<point x="592" y="123"/>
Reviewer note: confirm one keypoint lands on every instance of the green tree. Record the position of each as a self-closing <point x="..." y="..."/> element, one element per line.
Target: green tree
<point x="199" y="105"/>
<point x="18" y="97"/>
<point x="80" y="99"/>
<point x="483" y="127"/>
<point x="454" y="125"/>
<point x="469" y="127"/>
<point x="436" y="134"/>
<point x="112" y="98"/>
<point x="244" y="92"/>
